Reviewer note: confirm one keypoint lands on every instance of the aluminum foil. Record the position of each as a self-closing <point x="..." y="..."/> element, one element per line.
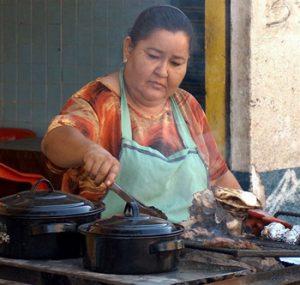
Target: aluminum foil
<point x="274" y="231"/>
<point x="292" y="236"/>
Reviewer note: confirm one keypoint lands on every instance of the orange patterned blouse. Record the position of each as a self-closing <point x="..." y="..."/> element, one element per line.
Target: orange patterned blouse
<point x="95" y="111"/>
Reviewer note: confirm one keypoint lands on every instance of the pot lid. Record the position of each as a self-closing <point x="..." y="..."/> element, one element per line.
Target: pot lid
<point x="37" y="203"/>
<point x="132" y="225"/>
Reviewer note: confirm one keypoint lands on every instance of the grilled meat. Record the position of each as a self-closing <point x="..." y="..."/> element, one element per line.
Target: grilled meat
<point x="223" y="242"/>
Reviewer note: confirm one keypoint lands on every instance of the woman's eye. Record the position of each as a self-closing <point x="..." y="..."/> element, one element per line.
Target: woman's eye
<point x="154" y="56"/>
<point x="175" y="63"/>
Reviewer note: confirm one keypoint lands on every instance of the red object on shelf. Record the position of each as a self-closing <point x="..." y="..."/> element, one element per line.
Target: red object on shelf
<point x="260" y="218"/>
<point x="8" y="174"/>
<point x="10" y="134"/>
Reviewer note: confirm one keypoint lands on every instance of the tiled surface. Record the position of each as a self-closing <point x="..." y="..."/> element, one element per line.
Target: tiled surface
<point x="50" y="48"/>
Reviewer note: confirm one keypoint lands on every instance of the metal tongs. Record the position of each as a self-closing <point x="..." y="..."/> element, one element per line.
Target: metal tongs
<point x="148" y="210"/>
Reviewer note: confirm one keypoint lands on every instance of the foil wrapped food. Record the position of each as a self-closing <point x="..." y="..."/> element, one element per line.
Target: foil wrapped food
<point x="292" y="236"/>
<point x="274" y="231"/>
<point x="278" y="232"/>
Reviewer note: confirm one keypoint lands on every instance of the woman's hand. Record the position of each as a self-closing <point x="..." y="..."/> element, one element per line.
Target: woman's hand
<point x="100" y="165"/>
<point x="67" y="147"/>
<point x="227" y="180"/>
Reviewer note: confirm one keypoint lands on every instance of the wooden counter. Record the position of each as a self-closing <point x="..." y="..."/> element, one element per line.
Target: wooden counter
<point x="25" y="155"/>
<point x="71" y="272"/>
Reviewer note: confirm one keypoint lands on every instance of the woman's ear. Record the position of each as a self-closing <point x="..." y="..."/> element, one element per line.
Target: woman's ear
<point x="127" y="48"/>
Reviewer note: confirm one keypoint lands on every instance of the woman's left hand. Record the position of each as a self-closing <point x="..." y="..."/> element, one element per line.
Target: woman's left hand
<point x="227" y="180"/>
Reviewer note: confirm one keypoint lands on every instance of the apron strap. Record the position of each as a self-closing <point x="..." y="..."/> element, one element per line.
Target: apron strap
<point x="181" y="125"/>
<point x="125" y="117"/>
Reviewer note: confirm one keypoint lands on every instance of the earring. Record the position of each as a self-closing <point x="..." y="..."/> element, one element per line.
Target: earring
<point x="124" y="60"/>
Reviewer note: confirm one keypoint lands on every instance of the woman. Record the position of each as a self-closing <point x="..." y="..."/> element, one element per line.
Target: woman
<point x="136" y="127"/>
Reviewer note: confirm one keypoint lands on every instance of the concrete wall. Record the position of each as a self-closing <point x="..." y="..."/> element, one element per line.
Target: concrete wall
<point x="275" y="84"/>
<point x="265" y="96"/>
<point x="240" y="85"/>
<point x="265" y="105"/>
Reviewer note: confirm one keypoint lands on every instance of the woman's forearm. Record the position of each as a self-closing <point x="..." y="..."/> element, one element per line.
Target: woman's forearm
<point x="65" y="146"/>
<point x="227" y="180"/>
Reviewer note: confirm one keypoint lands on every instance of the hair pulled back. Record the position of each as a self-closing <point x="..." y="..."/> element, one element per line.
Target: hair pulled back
<point x="160" y="17"/>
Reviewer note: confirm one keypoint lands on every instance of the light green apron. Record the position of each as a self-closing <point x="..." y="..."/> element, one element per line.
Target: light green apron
<point x="168" y="183"/>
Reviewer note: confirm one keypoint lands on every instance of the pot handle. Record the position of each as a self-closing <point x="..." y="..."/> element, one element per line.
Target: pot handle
<point x="131" y="209"/>
<point x="43" y="180"/>
<point x="164" y="246"/>
<point x="53" y="228"/>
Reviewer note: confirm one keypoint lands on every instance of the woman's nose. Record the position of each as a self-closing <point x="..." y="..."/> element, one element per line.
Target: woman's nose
<point x="163" y="69"/>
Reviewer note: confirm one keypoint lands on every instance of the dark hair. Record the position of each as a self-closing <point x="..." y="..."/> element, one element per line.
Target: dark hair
<point x="164" y="17"/>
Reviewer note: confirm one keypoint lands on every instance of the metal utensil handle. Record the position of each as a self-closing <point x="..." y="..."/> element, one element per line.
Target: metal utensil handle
<point x="149" y="210"/>
<point x="131" y="208"/>
<point x="35" y="185"/>
<point x="120" y="192"/>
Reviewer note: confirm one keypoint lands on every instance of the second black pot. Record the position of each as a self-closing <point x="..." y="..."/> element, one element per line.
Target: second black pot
<point x="132" y="244"/>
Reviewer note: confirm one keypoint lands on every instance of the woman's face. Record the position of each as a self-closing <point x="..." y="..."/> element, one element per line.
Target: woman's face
<point x="156" y="66"/>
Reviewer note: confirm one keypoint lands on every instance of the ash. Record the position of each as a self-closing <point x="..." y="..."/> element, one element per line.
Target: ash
<point x="208" y="218"/>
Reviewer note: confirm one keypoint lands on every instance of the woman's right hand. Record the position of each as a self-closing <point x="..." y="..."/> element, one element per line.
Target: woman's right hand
<point x="100" y="165"/>
<point x="67" y="147"/>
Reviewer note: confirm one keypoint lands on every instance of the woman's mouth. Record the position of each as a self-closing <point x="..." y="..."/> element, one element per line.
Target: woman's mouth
<point x="157" y="85"/>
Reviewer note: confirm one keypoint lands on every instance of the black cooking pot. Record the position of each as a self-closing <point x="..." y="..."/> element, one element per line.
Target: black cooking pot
<point x="43" y="224"/>
<point x="132" y="243"/>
